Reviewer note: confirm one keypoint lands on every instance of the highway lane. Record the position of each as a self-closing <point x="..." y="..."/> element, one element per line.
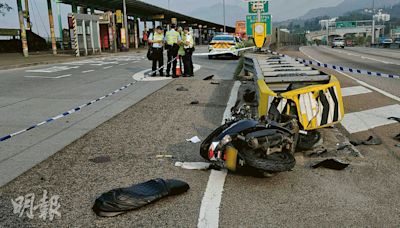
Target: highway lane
<point x="340" y="58"/>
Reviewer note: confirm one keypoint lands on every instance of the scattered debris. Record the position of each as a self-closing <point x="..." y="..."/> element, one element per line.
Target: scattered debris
<point x="194" y="102"/>
<point x="101" y="159"/>
<point x="215" y="83"/>
<point x="331" y="164"/>
<point x="397" y="137"/>
<point x="193" y="165"/>
<point x="370" y="141"/>
<point x="343" y="146"/>
<point x="395" y="119"/>
<point x="164" y="156"/>
<point x="208" y="78"/>
<point x="318" y="152"/>
<point x="122" y="200"/>
<point x="182" y="89"/>
<point x="194" y="139"/>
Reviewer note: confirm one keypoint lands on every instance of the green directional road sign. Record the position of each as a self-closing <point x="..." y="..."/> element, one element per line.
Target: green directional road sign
<point x="253" y="8"/>
<point x="346" y="24"/>
<point x="251" y="19"/>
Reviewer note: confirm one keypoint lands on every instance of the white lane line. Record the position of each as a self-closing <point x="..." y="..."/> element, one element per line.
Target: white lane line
<point x="87" y="71"/>
<point x="365" y="57"/>
<point x="123" y="64"/>
<point x="368" y="119"/>
<point x="209" y="210"/>
<point x="358" y="81"/>
<point x="47" y="77"/>
<point x="108" y="67"/>
<point x="64" y="76"/>
<point x="355" y="90"/>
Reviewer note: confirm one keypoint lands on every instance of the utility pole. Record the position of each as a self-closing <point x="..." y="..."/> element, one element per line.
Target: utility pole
<point x="327" y="32"/>
<point x="169" y="7"/>
<point x="22" y="27"/>
<point x="224" y="16"/>
<point x="126" y="25"/>
<point x="51" y="21"/>
<point x="28" y="18"/>
<point x="60" y="30"/>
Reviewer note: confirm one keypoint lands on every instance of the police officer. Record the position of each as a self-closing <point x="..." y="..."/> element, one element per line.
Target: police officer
<point x="173" y="38"/>
<point x="156" y="40"/>
<point x="189" y="49"/>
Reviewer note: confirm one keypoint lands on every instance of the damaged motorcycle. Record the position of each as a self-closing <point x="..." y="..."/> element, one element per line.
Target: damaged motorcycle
<point x="258" y="146"/>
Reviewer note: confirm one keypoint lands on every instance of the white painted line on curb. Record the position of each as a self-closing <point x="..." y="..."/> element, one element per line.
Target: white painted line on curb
<point x="354" y="90"/>
<point x="87" y="71"/>
<point x="368" y="119"/>
<point x="209" y="210"/>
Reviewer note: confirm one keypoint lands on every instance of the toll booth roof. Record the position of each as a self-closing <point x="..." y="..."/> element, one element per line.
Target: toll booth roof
<point x="145" y="11"/>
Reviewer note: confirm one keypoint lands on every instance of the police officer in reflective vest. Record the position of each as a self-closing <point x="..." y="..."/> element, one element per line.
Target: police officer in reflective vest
<point x="173" y="38"/>
<point x="189" y="49"/>
<point x="156" y="40"/>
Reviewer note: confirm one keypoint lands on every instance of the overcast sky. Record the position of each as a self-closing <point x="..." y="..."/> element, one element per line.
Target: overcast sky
<point x="280" y="10"/>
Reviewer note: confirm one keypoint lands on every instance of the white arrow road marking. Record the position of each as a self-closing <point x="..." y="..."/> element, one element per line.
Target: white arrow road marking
<point x="142" y="75"/>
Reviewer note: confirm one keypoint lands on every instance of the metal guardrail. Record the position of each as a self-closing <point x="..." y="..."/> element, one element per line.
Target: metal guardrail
<point x="251" y="65"/>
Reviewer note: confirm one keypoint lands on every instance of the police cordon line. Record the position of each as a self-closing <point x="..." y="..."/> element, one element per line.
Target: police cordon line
<point x="67" y="113"/>
<point x="79" y="108"/>
<point x="339" y="68"/>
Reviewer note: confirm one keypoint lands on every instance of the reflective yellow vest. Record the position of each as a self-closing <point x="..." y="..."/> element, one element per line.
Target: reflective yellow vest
<point x="158" y="37"/>
<point x="172" y="37"/>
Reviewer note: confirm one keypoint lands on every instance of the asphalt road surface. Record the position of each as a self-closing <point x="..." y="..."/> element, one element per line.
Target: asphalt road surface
<point x="31" y="95"/>
<point x="365" y="194"/>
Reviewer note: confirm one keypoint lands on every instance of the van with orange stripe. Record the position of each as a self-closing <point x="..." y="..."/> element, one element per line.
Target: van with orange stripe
<point x="222" y="45"/>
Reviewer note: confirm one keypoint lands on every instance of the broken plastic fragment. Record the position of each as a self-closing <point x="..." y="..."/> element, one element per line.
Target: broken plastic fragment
<point x="194" y="102"/>
<point x="394" y="118"/>
<point x="193" y="165"/>
<point x="397" y="137"/>
<point x="101" y="159"/>
<point x="370" y="141"/>
<point x="122" y="200"/>
<point x="182" y="89"/>
<point x="331" y="164"/>
<point x="164" y="156"/>
<point x="194" y="139"/>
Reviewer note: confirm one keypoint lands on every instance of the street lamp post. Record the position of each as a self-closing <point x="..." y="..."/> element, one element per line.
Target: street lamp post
<point x="224" y="16"/>
<point x="126" y="25"/>
<point x="373" y="23"/>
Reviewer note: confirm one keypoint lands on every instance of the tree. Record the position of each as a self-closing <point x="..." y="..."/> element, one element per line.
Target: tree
<point x="4" y="7"/>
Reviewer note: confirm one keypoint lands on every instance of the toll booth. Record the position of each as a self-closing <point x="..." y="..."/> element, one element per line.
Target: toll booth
<point x="84" y="33"/>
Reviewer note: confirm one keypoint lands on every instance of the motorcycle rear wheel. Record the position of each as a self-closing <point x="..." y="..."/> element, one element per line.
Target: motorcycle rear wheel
<point x="276" y="162"/>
